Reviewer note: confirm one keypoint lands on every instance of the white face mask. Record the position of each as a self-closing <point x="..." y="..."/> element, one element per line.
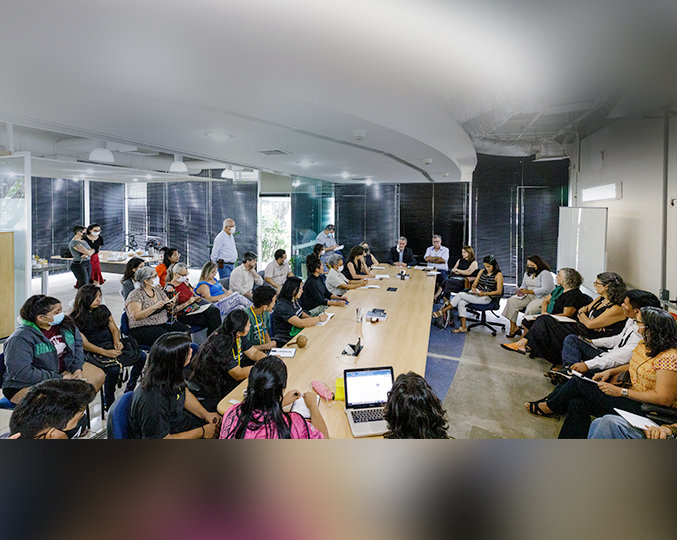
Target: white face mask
<point x="340" y="268"/>
<point x="322" y="252"/>
<point x="137" y="285"/>
<point x="156" y="281"/>
<point x="96" y="233"/>
<point x="232" y="230"/>
<point x="182" y="279"/>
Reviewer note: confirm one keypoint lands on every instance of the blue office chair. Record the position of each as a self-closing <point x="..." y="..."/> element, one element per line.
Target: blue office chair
<point x="481" y="311"/>
<point x="4" y="402"/>
<point x="117" y="426"/>
<point x="124" y="328"/>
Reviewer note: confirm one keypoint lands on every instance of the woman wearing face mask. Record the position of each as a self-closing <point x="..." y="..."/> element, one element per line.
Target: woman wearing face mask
<point x="81" y="253"/>
<point x="536" y="284"/>
<point x="319" y="252"/>
<point x="336" y="282"/>
<point x="95" y="241"/>
<point x="188" y="302"/>
<point x="148" y="309"/>
<point x="127" y="280"/>
<point x="369" y="258"/>
<point x="47" y="345"/>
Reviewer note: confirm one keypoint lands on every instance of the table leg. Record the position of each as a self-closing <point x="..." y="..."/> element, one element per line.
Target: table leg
<point x="45" y="282"/>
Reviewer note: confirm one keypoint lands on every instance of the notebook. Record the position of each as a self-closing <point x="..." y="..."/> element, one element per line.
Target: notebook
<point x="366" y="393"/>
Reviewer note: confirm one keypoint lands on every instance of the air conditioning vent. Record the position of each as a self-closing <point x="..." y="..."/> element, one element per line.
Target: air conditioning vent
<point x="358" y="179"/>
<point x="274" y="152"/>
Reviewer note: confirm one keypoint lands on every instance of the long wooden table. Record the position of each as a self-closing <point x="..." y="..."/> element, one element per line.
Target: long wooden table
<point x="116" y="267"/>
<point x="400" y="341"/>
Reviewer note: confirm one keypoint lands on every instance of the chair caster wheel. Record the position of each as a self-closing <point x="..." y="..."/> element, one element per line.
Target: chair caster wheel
<point x="493" y="334"/>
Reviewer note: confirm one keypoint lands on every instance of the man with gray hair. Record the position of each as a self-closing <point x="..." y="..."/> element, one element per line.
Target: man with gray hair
<point x="438" y="256"/>
<point x="336" y="282"/>
<point x="224" y="252"/>
<point x="401" y="255"/>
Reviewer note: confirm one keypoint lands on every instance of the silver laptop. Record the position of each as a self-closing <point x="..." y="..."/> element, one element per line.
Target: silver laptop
<point x="366" y="393"/>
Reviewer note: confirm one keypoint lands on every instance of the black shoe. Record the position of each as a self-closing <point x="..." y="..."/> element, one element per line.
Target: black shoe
<point x="559" y="376"/>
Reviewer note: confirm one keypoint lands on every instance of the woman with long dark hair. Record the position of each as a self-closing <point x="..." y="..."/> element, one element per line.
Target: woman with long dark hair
<point x="413" y="410"/>
<point x="223" y="361"/>
<point x="162" y="407"/>
<point x="603" y="317"/>
<point x="261" y="415"/>
<point x="47" y="345"/>
<point x="95" y="241"/>
<point x="355" y="267"/>
<point x="288" y="316"/>
<point x="103" y="344"/>
<point x="171" y="256"/>
<point x="653" y="379"/>
<point x="127" y="280"/>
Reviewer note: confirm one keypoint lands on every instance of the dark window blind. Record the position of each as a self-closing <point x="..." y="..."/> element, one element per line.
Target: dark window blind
<point x="107" y="208"/>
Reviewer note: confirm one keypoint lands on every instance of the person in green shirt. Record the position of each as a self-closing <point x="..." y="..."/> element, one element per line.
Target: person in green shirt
<point x="259" y="316"/>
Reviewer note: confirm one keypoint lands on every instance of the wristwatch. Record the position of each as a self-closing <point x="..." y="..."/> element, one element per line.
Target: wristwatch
<point x="624" y="392"/>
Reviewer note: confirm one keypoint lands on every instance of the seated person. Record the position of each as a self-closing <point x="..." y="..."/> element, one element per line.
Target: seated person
<point x="437" y="256"/>
<point x="488" y="283"/>
<point x="594" y="355"/>
<point x="288" y="317"/>
<point x="259" y="318"/>
<point x="188" y="308"/>
<point x="653" y="378"/>
<point x="369" y="258"/>
<point x="162" y="407"/>
<point x="320" y="252"/>
<point x="261" y="414"/>
<point x="355" y="268"/>
<point x="223" y="361"/>
<point x="47" y="345"/>
<point x="401" y="255"/>
<point x="536" y="284"/>
<point x="328" y="241"/>
<point x="413" y="410"/>
<point x="171" y="256"/>
<point x="212" y="291"/>
<point x="147" y="309"/>
<point x="127" y="280"/>
<point x="52" y="409"/>
<point x="602" y="318"/>
<point x="243" y="278"/>
<point x="103" y="343"/>
<point x="316" y="298"/>
<point x="613" y="426"/>
<point x="464" y="269"/>
<point x="278" y="270"/>
<point x="336" y="282"/>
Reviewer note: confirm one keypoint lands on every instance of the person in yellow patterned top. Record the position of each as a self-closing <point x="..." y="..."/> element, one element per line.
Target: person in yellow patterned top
<point x="653" y="378"/>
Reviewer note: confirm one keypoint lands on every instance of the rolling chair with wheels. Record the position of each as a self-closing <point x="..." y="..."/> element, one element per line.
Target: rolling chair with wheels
<point x="117" y="426"/>
<point x="480" y="310"/>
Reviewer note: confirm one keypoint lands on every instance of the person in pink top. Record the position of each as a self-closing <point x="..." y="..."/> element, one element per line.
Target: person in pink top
<point x="261" y="416"/>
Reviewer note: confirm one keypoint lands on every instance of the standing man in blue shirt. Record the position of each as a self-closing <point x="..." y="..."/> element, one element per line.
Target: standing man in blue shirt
<point x="224" y="252"/>
<point x="327" y="239"/>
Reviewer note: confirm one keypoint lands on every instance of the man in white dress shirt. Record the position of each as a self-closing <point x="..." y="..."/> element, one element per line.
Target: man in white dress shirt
<point x="242" y="279"/>
<point x="438" y="256"/>
<point x="224" y="252"/>
<point x="278" y="270"/>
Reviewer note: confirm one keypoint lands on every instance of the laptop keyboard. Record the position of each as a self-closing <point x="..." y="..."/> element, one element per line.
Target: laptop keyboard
<point x="367" y="415"/>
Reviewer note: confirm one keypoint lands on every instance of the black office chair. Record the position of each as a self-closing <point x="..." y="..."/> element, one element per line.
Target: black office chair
<point x="660" y="415"/>
<point x="480" y="310"/>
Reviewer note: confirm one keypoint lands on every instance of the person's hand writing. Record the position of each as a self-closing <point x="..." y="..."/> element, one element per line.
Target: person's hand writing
<point x="602" y="376"/>
<point x="660" y="432"/>
<point x="610" y="389"/>
<point x="290" y="397"/>
<point x="323" y="317"/>
<point x="580" y="367"/>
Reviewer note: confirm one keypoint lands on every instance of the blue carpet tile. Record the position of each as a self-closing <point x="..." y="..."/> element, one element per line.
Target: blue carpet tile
<point x="439" y="373"/>
<point x="445" y="342"/>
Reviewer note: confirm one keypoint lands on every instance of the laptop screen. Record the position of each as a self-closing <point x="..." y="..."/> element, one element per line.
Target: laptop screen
<point x="367" y="387"/>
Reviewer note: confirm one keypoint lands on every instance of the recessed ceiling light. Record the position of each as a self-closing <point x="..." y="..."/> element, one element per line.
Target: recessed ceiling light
<point x="135" y="179"/>
<point x="149" y="177"/>
<point x="305" y="163"/>
<point x="218" y="135"/>
<point x="90" y="171"/>
<point x="345" y="174"/>
<point x="369" y="181"/>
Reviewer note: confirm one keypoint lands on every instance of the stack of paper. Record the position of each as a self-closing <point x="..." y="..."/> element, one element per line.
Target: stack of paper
<point x="283" y="353"/>
<point x="338" y="248"/>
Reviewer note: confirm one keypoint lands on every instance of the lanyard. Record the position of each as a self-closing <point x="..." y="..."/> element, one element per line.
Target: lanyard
<point x="258" y="330"/>
<point x="239" y="350"/>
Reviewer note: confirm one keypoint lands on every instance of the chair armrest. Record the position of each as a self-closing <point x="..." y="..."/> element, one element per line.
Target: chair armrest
<point x="660" y="415"/>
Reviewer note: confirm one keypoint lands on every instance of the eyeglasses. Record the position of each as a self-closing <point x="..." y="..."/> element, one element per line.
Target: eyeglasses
<point x="598" y="283"/>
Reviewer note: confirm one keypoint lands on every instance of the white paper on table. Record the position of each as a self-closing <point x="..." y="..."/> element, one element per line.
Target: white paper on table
<point x="322" y="323"/>
<point x="635" y="420"/>
<point x="424" y="268"/>
<point x="339" y="248"/>
<point x="370" y="287"/>
<point x="433" y="273"/>
<point x="283" y="353"/>
<point x="378" y="267"/>
<point x="381" y="276"/>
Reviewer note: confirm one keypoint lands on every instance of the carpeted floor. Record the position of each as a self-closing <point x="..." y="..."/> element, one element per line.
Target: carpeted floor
<point x="439" y="372"/>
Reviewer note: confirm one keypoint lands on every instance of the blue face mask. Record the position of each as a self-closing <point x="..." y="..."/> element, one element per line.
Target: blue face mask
<point x="58" y="319"/>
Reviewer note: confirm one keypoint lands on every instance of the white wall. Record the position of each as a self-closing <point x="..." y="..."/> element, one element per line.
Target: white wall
<point x="631" y="151"/>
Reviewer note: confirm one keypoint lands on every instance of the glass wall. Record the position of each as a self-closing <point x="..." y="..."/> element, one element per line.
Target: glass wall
<point x="15" y="217"/>
<point x="274" y="227"/>
<point x="312" y="209"/>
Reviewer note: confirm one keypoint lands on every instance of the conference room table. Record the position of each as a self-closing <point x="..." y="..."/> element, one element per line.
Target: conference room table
<point x="119" y="260"/>
<point x="401" y="341"/>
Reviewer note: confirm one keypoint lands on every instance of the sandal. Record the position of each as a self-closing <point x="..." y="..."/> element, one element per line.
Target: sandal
<point x="536" y="410"/>
<point x="460" y="330"/>
<point x="516" y="333"/>
<point x="514" y="347"/>
<point x="442" y="311"/>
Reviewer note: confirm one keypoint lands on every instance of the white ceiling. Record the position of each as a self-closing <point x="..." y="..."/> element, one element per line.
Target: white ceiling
<point x="301" y="75"/>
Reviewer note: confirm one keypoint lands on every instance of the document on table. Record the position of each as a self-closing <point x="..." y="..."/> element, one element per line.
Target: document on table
<point x="283" y="353"/>
<point x="370" y="287"/>
<point x="378" y="267"/>
<point x="560" y="318"/>
<point x="424" y="268"/>
<point x="433" y="273"/>
<point x="322" y="323"/>
<point x="381" y="276"/>
<point x="635" y="420"/>
<point x="339" y="248"/>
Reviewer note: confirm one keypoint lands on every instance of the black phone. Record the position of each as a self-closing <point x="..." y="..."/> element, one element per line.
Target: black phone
<point x="391" y="289"/>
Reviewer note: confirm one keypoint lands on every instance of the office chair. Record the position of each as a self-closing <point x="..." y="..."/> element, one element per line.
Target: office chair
<point x="660" y="415"/>
<point x="481" y="311"/>
<point x="225" y="282"/>
<point x="4" y="402"/>
<point x="117" y="426"/>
